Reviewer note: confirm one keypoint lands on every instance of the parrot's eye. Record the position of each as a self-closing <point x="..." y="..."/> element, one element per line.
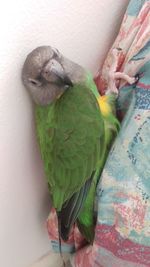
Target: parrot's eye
<point x="35" y="82"/>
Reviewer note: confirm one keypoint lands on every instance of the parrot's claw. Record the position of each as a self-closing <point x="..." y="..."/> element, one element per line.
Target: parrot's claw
<point x="132" y="80"/>
<point x="137" y="78"/>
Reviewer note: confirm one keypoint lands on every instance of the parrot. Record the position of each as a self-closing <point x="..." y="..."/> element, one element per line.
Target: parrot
<point x="75" y="128"/>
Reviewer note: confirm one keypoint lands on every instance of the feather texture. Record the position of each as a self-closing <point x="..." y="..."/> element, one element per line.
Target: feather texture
<point x="75" y="135"/>
<point x="70" y="133"/>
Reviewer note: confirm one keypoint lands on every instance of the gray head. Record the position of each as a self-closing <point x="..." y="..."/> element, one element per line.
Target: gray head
<point x="47" y="74"/>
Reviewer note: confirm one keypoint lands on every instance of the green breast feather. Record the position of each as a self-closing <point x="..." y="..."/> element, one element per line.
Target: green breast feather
<point x="70" y="134"/>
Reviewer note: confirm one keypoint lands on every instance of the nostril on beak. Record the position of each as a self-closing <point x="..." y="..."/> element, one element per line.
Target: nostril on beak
<point x="67" y="81"/>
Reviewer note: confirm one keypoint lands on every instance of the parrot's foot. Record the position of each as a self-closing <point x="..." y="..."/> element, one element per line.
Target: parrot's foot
<point x="115" y="76"/>
<point x="125" y="77"/>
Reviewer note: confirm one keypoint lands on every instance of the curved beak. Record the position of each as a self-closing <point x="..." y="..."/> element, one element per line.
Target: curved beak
<point x="54" y="72"/>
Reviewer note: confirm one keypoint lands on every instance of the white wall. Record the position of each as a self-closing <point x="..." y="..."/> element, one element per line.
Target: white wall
<point x="83" y="30"/>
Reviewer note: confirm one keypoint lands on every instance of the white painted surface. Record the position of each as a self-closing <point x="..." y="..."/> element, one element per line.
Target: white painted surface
<point x="83" y="30"/>
<point x="52" y="260"/>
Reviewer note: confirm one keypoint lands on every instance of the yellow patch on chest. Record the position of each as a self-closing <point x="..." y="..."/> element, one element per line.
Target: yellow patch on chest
<point x="104" y="105"/>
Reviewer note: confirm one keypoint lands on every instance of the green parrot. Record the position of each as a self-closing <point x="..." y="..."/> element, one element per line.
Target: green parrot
<point x="75" y="129"/>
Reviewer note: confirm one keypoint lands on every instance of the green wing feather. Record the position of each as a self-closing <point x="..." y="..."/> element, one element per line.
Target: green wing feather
<point x="86" y="218"/>
<point x="70" y="134"/>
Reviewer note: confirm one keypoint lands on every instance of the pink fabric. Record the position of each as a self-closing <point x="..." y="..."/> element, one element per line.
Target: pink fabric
<point x="76" y="240"/>
<point x="134" y="34"/>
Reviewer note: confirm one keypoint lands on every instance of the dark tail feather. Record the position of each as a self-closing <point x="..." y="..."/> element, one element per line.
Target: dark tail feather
<point x="70" y="210"/>
<point x="59" y="240"/>
<point x="87" y="231"/>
